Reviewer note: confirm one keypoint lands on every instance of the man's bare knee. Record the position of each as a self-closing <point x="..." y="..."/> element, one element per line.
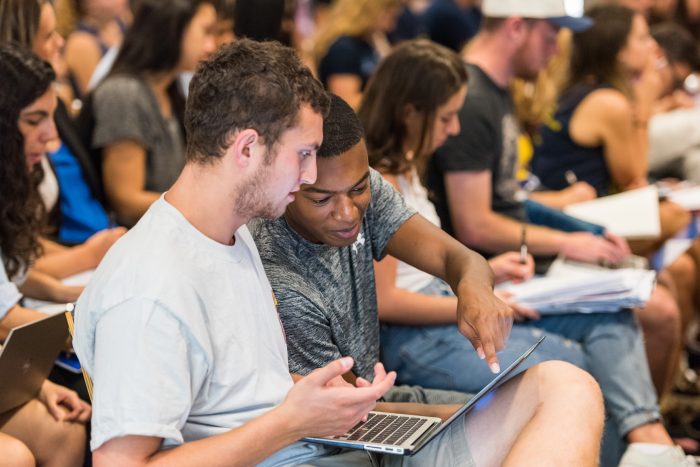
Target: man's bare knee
<point x="15" y="452"/>
<point x="661" y="315"/>
<point x="683" y="268"/>
<point x="53" y="439"/>
<point x="578" y="386"/>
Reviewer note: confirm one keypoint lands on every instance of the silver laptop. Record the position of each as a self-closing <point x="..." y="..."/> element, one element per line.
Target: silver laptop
<point x="27" y="357"/>
<point x="400" y="434"/>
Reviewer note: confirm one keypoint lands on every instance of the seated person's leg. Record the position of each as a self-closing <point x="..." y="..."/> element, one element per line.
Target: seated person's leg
<point x="681" y="279"/>
<point x="439" y="357"/>
<point x="53" y="443"/>
<point x="660" y="320"/>
<point x="527" y="422"/>
<point x="616" y="359"/>
<point x="421" y="395"/>
<point x="15" y="453"/>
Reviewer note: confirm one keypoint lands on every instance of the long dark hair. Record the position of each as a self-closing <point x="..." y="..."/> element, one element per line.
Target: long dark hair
<point x="259" y="20"/>
<point x="153" y="43"/>
<point x="19" y="21"/>
<point x="23" y="79"/>
<point x="594" y="51"/>
<point x="418" y="73"/>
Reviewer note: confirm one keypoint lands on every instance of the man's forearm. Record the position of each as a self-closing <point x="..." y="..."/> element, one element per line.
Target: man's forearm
<point x="238" y="447"/>
<point x="404" y="307"/>
<point x="18" y="316"/>
<point x="465" y="267"/>
<point x="42" y="286"/>
<point x="496" y="234"/>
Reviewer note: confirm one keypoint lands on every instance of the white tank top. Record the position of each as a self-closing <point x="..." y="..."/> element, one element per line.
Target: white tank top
<point x="48" y="187"/>
<point x="416" y="196"/>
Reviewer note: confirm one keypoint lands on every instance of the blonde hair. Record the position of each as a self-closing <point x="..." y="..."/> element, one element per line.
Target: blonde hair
<point x="66" y="16"/>
<point x="535" y="101"/>
<point x="355" y="18"/>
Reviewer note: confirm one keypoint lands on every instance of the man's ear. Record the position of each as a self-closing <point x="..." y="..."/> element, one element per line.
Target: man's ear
<point x="518" y="29"/>
<point x="244" y="147"/>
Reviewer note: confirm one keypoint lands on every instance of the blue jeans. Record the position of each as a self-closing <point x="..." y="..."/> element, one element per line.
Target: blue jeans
<point x="607" y="345"/>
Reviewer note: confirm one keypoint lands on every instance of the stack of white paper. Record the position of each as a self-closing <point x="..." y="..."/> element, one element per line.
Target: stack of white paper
<point x="633" y="214"/>
<point x="577" y="288"/>
<point x="688" y="197"/>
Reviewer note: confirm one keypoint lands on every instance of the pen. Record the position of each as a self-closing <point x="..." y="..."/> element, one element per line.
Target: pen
<point x="523" y="245"/>
<point x="570" y="177"/>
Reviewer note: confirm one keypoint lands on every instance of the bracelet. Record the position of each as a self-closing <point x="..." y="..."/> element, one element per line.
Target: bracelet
<point x="638" y="123"/>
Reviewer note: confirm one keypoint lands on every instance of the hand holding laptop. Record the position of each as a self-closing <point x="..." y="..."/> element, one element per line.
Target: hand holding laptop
<point x="318" y="406"/>
<point x="401" y="434"/>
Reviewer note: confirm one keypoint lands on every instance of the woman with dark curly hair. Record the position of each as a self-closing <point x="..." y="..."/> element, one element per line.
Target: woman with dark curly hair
<point x="70" y="189"/>
<point x="47" y="430"/>
<point x="21" y="226"/>
<point x="27" y="104"/>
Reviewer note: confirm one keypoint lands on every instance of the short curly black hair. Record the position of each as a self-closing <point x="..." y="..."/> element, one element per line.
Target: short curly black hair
<point x="341" y="129"/>
<point x="247" y="84"/>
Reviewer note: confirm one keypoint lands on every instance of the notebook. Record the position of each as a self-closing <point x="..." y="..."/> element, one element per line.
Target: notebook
<point x="401" y="434"/>
<point x="633" y="214"/>
<point x="27" y="357"/>
<point x="575" y="287"/>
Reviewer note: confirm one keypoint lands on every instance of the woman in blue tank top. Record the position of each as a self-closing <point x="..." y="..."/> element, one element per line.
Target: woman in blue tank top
<point x="599" y="129"/>
<point x="599" y="133"/>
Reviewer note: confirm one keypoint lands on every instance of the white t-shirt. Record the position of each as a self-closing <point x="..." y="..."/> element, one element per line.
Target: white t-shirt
<point x="416" y="196"/>
<point x="179" y="333"/>
<point x="9" y="295"/>
<point x="48" y="187"/>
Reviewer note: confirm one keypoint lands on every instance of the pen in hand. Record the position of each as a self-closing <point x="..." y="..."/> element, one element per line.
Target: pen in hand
<point x="523" y="245"/>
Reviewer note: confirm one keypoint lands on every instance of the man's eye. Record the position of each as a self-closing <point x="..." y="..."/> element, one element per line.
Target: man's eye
<point x="319" y="202"/>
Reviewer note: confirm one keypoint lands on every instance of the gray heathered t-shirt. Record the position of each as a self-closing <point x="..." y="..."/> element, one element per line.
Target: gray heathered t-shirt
<point x="125" y="108"/>
<point x="327" y="298"/>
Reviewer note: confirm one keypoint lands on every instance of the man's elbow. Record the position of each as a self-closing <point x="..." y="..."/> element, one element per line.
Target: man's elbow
<point x="471" y="235"/>
<point x="127" y="206"/>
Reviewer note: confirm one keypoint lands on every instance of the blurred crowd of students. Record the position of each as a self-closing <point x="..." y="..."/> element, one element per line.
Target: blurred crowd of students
<point x="93" y="131"/>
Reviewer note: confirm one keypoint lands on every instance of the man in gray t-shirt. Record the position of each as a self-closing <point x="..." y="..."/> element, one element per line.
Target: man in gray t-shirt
<point x="317" y="285"/>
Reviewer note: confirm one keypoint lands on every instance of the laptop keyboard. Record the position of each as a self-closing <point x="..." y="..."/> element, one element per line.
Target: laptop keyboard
<point x="384" y="429"/>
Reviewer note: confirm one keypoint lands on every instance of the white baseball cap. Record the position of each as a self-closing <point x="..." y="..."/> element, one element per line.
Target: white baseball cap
<point x="563" y="13"/>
